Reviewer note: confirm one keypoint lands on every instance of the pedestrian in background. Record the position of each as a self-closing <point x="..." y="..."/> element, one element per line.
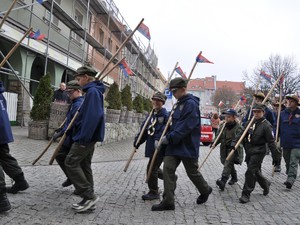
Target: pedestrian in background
<point x="60" y="95"/>
<point x="215" y="122"/>
<point x="8" y="162"/>
<point x="89" y="128"/>
<point x="151" y="135"/>
<point x="183" y="144"/>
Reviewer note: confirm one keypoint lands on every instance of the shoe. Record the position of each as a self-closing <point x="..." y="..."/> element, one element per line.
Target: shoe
<point x="85" y="204"/>
<point x="233" y="180"/>
<point x="277" y="169"/>
<point x="17" y="186"/>
<point x="288" y="185"/>
<point x="221" y="184"/>
<point x="66" y="183"/>
<point x="203" y="197"/>
<point x="4" y="203"/>
<point x="162" y="207"/>
<point x="267" y="189"/>
<point x="151" y="196"/>
<point x="244" y="199"/>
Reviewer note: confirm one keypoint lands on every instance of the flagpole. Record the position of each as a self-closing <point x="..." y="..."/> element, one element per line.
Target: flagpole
<point x="278" y="113"/>
<point x="7" y="13"/>
<point x="194" y="67"/>
<point x="86" y="24"/>
<point x="48" y="37"/>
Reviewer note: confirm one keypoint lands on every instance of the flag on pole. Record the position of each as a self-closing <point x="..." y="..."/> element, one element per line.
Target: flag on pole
<point x="243" y="99"/>
<point x="37" y="35"/>
<point x="125" y="68"/>
<point x="144" y="30"/>
<point x="201" y="59"/>
<point x="180" y="72"/>
<point x="265" y="76"/>
<point x="40" y="1"/>
<point x="221" y="104"/>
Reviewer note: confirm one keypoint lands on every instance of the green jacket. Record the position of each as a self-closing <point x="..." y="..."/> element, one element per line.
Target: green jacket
<point x="228" y="140"/>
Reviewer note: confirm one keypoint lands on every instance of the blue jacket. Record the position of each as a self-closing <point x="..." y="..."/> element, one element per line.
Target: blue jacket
<point x="290" y="128"/>
<point x="184" y="134"/>
<point x="268" y="115"/>
<point x="76" y="103"/>
<point x="161" y="118"/>
<point x="90" y="125"/>
<point x="5" y="129"/>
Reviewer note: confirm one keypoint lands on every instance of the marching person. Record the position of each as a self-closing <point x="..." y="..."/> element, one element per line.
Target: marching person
<point x="183" y="144"/>
<point x="89" y="128"/>
<point x="151" y="135"/>
<point x="231" y="130"/>
<point x="7" y="161"/>
<point x="215" y="122"/>
<point x="290" y="138"/>
<point x="74" y="90"/>
<point x="259" y="134"/>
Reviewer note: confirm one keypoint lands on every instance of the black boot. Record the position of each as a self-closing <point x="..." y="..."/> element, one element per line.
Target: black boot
<point x="19" y="185"/>
<point x="222" y="182"/>
<point x="162" y="207"/>
<point x="233" y="179"/>
<point x="4" y="203"/>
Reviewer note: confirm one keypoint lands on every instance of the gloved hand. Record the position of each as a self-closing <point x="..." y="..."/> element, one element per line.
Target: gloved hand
<point x="135" y="145"/>
<point x="58" y="129"/>
<point x="57" y="135"/>
<point x="164" y="141"/>
<point x="232" y="148"/>
<point x="212" y="146"/>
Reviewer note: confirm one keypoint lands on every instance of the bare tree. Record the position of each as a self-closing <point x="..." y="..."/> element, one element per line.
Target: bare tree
<point x="226" y="95"/>
<point x="275" y="66"/>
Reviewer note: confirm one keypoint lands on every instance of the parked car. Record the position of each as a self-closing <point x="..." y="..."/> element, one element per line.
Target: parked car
<point x="207" y="135"/>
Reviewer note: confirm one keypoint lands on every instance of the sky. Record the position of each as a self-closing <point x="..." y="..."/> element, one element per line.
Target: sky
<point x="237" y="35"/>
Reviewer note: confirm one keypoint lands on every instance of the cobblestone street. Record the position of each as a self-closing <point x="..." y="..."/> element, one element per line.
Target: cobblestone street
<point x="46" y="202"/>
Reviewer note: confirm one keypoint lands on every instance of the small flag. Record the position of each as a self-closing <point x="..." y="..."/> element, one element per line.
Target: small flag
<point x="144" y="30"/>
<point x="125" y="68"/>
<point x="201" y="59"/>
<point x="243" y="99"/>
<point x="180" y="72"/>
<point x="37" y="35"/>
<point x="281" y="79"/>
<point x="40" y="1"/>
<point x="265" y="76"/>
<point x="221" y="104"/>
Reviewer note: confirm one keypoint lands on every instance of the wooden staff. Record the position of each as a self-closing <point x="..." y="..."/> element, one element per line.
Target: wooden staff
<point x="120" y="48"/>
<point x="166" y="127"/>
<point x="49" y="144"/>
<point x="145" y="125"/>
<point x="7" y="13"/>
<point x="230" y="155"/>
<point x="14" y="48"/>
<point x="117" y="64"/>
<point x="216" y="140"/>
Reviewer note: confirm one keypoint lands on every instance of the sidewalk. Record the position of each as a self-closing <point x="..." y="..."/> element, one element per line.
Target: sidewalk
<point x="46" y="202"/>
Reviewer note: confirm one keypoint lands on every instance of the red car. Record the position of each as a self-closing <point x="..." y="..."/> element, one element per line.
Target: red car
<point x="207" y="135"/>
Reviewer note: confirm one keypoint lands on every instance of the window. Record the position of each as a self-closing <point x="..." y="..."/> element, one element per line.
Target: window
<point x="101" y="36"/>
<point x="79" y="19"/>
<point x="55" y="20"/>
<point x="109" y="44"/>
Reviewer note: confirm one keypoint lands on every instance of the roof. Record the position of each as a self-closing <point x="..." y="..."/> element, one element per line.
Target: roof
<point x="235" y="86"/>
<point x="201" y="84"/>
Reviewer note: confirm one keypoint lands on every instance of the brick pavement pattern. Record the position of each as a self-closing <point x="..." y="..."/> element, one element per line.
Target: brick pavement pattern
<point x="46" y="202"/>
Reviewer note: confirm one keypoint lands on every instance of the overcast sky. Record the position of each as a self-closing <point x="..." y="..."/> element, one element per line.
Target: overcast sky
<point x="235" y="34"/>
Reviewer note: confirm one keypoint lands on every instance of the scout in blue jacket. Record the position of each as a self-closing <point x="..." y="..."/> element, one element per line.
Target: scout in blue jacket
<point x="151" y="135"/>
<point x="8" y="162"/>
<point x="88" y="129"/>
<point x="75" y="95"/>
<point x="290" y="138"/>
<point x="183" y="141"/>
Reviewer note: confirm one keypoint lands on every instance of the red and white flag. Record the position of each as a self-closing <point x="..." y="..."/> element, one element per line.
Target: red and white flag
<point x="221" y="104"/>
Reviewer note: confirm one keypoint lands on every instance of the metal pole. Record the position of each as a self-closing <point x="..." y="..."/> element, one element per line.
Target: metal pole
<point x="85" y="28"/>
<point x="8" y="11"/>
<point x="48" y="37"/>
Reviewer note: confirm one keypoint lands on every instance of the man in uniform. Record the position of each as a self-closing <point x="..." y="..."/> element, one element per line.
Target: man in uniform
<point x="74" y="90"/>
<point x="259" y="134"/>
<point x="151" y="135"/>
<point x="7" y="161"/>
<point x="290" y="138"/>
<point x="183" y="141"/>
<point x="231" y="130"/>
<point x="89" y="128"/>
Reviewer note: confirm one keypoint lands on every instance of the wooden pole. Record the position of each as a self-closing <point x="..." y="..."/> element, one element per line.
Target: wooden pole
<point x="251" y="121"/>
<point x="120" y="48"/>
<point x="49" y="144"/>
<point x="166" y="128"/>
<point x="14" y="48"/>
<point x="106" y="74"/>
<point x="7" y="13"/>
<point x="145" y="125"/>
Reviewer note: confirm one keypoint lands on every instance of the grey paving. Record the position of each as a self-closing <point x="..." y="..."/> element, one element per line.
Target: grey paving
<point x="46" y="202"/>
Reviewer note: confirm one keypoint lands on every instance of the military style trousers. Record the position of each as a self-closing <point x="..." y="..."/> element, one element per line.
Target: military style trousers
<point x="9" y="163"/>
<point x="254" y="174"/>
<point x="228" y="165"/>
<point x="291" y="158"/>
<point x="61" y="157"/>
<point x="79" y="170"/>
<point x="155" y="173"/>
<point x="2" y="181"/>
<point x="191" y="166"/>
